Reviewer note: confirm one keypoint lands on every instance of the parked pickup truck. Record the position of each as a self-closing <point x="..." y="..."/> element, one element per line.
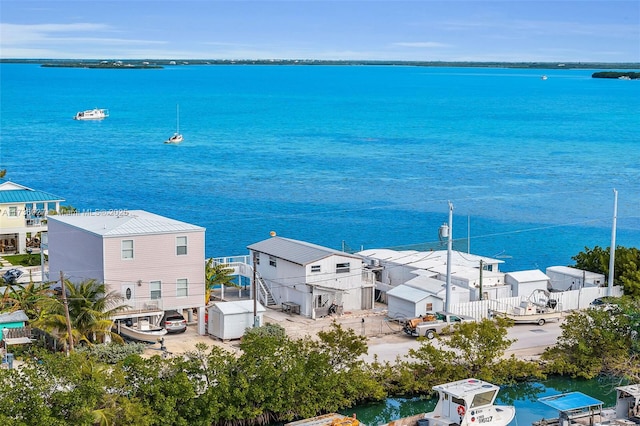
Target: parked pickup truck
<point x="431" y="324"/>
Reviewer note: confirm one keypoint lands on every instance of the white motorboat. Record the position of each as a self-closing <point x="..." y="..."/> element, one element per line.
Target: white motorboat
<point x="467" y="402"/>
<point x="177" y="137"/>
<point x="539" y="308"/>
<point x="141" y="331"/>
<point x="92" y="114"/>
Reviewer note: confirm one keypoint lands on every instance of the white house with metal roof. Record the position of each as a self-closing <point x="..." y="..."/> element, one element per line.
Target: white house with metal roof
<point x="566" y="278"/>
<point x="468" y="271"/>
<point x="154" y="262"/>
<point x="311" y="277"/>
<point x="23" y="216"/>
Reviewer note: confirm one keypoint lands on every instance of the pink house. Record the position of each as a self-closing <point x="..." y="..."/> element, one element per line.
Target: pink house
<point x="155" y="263"/>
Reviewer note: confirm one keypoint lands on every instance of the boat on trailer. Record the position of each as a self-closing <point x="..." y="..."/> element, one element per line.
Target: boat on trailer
<point x="576" y="408"/>
<point x="467" y="402"/>
<point x="141" y="331"/>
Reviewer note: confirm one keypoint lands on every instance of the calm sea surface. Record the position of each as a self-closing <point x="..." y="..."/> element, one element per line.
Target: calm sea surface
<point x="341" y="156"/>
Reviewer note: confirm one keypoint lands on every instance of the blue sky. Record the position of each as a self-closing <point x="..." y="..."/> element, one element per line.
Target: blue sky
<point x="425" y="30"/>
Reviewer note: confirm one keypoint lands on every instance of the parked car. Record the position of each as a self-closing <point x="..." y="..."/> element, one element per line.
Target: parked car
<point x="12" y="275"/>
<point x="174" y="322"/>
<point x="606" y="303"/>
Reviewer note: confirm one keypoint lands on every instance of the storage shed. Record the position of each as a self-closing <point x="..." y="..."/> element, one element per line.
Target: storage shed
<point x="406" y="302"/>
<point x="229" y="320"/>
<point x="524" y="283"/>
<point x="565" y="278"/>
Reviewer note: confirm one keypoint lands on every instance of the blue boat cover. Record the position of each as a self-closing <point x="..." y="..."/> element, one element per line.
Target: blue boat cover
<point x="570" y="401"/>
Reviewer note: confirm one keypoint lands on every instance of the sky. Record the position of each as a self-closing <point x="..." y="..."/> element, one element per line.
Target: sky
<point x="415" y="30"/>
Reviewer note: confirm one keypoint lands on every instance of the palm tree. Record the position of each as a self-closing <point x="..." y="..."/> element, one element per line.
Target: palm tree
<point x="90" y="310"/>
<point x="27" y="297"/>
<point x="218" y="274"/>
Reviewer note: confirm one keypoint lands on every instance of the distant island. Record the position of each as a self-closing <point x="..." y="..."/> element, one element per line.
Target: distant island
<point x="161" y="63"/>
<point x="620" y="75"/>
<point x="102" y="64"/>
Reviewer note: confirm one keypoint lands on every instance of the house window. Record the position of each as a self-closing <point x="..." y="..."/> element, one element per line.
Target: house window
<point x="182" y="287"/>
<point x="155" y="288"/>
<point x="315" y="268"/>
<point x="342" y="268"/>
<point x="429" y="307"/>
<point x="13" y="211"/>
<point x="272" y="261"/>
<point x="127" y="249"/>
<point x="181" y="246"/>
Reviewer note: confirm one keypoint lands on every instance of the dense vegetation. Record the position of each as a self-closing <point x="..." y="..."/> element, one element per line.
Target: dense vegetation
<point x="626" y="266"/>
<point x="278" y="379"/>
<point x="617" y="74"/>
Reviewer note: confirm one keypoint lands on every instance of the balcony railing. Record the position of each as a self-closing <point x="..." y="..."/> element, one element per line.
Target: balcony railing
<point x="140" y="306"/>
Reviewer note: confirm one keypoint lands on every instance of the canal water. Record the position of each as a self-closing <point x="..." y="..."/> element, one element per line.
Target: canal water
<point x="523" y="396"/>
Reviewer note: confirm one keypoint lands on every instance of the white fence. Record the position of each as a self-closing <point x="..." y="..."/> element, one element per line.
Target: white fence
<point x="567" y="301"/>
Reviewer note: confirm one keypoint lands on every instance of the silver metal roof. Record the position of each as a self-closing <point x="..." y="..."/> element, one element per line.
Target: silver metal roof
<point x="238" y="307"/>
<point x="410" y="294"/>
<point x="295" y="251"/>
<point x="124" y="223"/>
<point x="17" y="316"/>
<point x="528" y="276"/>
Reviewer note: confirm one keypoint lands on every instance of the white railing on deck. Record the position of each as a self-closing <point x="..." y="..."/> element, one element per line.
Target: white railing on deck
<point x="141" y="306"/>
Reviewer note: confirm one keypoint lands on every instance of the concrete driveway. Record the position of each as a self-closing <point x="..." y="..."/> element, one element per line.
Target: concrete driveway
<point x="386" y="340"/>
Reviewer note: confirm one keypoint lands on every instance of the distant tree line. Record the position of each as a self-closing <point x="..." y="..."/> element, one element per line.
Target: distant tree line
<point x="151" y="63"/>
<point x="617" y="74"/>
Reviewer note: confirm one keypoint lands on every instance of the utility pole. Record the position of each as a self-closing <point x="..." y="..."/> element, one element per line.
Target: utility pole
<point x="66" y="311"/>
<point x="254" y="290"/>
<point x="481" y="266"/>
<point x="612" y="249"/>
<point x="449" y="248"/>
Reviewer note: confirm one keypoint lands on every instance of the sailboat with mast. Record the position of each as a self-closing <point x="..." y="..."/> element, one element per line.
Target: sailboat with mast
<point x="177" y="136"/>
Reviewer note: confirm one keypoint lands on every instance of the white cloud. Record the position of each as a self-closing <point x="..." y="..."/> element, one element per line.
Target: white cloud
<point x="66" y="41"/>
<point x="13" y="34"/>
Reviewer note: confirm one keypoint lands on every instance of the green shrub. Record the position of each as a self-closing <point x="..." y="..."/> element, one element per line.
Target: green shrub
<point x="112" y="353"/>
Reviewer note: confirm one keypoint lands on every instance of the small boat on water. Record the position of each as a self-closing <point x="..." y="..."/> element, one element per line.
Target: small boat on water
<point x="92" y="114"/>
<point x="467" y="402"/>
<point x="576" y="408"/>
<point x="141" y="331"/>
<point x="544" y="77"/>
<point x="177" y="137"/>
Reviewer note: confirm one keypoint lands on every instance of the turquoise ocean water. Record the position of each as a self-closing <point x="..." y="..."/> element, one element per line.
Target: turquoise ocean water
<point x="342" y="156"/>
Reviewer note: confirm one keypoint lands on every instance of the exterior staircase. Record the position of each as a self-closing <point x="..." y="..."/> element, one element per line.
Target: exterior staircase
<point x="264" y="294"/>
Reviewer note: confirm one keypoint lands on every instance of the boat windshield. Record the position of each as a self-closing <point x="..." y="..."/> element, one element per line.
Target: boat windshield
<point x="484" y="398"/>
